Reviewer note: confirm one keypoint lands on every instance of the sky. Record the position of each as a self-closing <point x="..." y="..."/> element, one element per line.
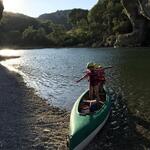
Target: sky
<point x="35" y="8"/>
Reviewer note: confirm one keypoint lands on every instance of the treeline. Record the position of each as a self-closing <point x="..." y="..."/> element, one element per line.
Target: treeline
<point x="21" y="30"/>
<point x="94" y="28"/>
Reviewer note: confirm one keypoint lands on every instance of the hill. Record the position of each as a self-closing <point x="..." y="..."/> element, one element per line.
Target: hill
<point x="58" y="17"/>
<point x="18" y="29"/>
<point x="15" y="21"/>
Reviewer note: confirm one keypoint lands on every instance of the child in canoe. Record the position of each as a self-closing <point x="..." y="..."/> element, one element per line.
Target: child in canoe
<point x="92" y="75"/>
<point x="101" y="75"/>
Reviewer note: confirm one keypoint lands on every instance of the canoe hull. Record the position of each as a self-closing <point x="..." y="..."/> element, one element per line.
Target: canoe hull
<point x="84" y="128"/>
<point x="85" y="142"/>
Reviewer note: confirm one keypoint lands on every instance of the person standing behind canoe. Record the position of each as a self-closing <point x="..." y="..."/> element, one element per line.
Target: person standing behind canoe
<point x="101" y="75"/>
<point x="92" y="75"/>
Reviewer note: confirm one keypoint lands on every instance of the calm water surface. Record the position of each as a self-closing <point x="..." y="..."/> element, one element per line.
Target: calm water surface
<point x="53" y="72"/>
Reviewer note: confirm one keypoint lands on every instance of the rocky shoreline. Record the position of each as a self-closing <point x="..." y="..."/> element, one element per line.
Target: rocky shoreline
<point x="27" y="121"/>
<point x="2" y="58"/>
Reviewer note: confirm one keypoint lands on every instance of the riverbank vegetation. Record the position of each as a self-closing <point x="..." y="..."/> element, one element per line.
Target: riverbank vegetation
<point x="108" y="23"/>
<point x="70" y="28"/>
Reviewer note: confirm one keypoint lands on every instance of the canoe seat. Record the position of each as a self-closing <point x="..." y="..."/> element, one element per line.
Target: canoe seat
<point x="89" y="106"/>
<point x="84" y="108"/>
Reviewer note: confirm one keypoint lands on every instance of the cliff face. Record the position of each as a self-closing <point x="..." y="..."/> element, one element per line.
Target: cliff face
<point x="107" y="21"/>
<point x="1" y="9"/>
<point x="145" y="7"/>
<point x="138" y="12"/>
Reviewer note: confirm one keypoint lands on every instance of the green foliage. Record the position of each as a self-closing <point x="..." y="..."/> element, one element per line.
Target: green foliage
<point x="59" y="17"/>
<point x="47" y="25"/>
<point x="77" y="37"/>
<point x="18" y="29"/>
<point x="12" y="37"/>
<point x="13" y="21"/>
<point x="96" y="13"/>
<point x="57" y="36"/>
<point x="29" y="33"/>
<point x="78" y="17"/>
<point x="97" y="27"/>
<point x="33" y="36"/>
<point x="106" y="19"/>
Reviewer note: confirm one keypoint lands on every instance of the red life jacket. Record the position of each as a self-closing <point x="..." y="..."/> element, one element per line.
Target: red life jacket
<point x="101" y="74"/>
<point x="93" y="77"/>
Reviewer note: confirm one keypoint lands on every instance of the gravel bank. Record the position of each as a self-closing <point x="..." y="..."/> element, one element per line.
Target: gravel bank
<point x="27" y="121"/>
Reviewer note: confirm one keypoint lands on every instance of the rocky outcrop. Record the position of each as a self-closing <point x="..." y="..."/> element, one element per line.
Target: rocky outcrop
<point x="1" y="8"/>
<point x="138" y="12"/>
<point x="145" y="8"/>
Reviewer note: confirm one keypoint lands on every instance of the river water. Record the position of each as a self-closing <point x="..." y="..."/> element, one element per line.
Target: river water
<point x="53" y="72"/>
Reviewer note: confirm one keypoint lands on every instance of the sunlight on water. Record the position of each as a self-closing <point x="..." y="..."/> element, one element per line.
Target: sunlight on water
<point x="53" y="72"/>
<point x="8" y="52"/>
<point x="14" y="65"/>
<point x="11" y="64"/>
<point x="8" y="64"/>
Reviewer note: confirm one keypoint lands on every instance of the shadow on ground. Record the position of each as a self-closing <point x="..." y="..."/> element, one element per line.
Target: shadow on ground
<point x="27" y="121"/>
<point x="14" y="128"/>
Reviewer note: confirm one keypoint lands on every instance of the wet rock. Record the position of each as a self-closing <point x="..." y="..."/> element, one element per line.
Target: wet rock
<point x="46" y="130"/>
<point x="62" y="147"/>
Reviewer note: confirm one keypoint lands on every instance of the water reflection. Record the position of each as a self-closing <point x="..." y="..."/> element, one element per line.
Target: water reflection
<point x="8" y="52"/>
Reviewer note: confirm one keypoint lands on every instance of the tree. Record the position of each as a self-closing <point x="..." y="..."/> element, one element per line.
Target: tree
<point x="1" y="8"/>
<point x="77" y="16"/>
<point x="57" y="36"/>
<point x="32" y="36"/>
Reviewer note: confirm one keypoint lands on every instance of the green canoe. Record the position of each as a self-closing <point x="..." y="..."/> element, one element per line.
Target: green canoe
<point x="83" y="128"/>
